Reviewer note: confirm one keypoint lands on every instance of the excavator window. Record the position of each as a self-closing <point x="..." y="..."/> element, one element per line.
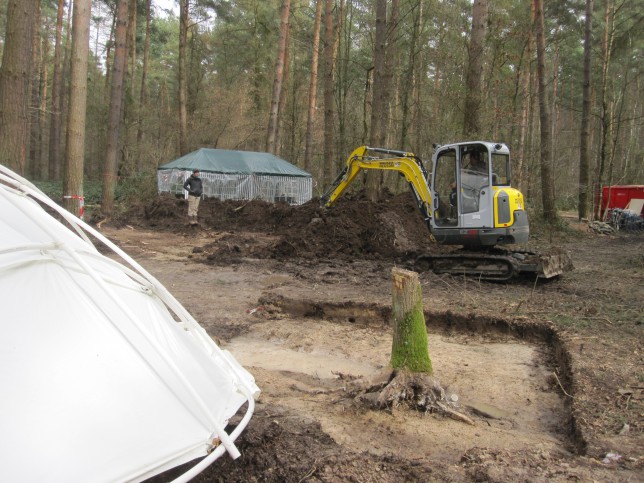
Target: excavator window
<point x="474" y="176"/>
<point x="500" y="169"/>
<point x="446" y="204"/>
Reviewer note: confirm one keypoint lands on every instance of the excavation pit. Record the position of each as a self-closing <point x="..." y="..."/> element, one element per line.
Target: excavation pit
<point x="506" y="377"/>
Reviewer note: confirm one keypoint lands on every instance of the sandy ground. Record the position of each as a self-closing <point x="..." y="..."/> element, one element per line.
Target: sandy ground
<point x="551" y="373"/>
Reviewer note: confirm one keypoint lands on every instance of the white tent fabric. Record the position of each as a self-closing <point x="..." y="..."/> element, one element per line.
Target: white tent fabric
<point x="104" y="375"/>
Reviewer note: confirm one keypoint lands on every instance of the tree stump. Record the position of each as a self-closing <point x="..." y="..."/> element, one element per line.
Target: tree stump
<point x="408" y="382"/>
<point x="409" y="349"/>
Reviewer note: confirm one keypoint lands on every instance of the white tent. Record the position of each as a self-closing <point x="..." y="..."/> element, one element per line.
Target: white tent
<point x="104" y="375"/>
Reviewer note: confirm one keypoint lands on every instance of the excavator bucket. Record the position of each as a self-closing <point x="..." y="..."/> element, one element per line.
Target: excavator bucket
<point x="546" y="264"/>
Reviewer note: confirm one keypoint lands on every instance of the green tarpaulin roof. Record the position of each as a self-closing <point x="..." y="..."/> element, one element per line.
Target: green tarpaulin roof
<point x="227" y="161"/>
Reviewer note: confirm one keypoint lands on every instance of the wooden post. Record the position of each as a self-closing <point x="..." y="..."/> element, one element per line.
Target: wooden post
<point x="409" y="348"/>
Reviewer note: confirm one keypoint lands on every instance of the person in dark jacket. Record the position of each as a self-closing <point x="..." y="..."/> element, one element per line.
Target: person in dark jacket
<point x="194" y="187"/>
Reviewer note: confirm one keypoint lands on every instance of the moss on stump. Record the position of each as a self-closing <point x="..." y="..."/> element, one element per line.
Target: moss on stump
<point x="409" y="349"/>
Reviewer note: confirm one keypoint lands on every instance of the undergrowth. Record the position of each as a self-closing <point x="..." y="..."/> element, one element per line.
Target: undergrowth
<point x="128" y="190"/>
<point x="553" y="231"/>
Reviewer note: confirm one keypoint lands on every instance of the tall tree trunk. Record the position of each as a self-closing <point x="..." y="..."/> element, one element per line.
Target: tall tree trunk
<point x="472" y="119"/>
<point x="14" y="84"/>
<point x="618" y="118"/>
<point x="256" y="91"/>
<point x="108" y="61"/>
<point x="34" y="87"/>
<point x="547" y="188"/>
<point x="555" y="111"/>
<point x="634" y="131"/>
<point x="273" y="118"/>
<point x="110" y="170"/>
<point x="379" y="87"/>
<point x="529" y="120"/>
<point x="313" y="87"/>
<point x="520" y="105"/>
<point x="379" y="110"/>
<point x="605" y="118"/>
<point x="42" y="161"/>
<point x="56" y="88"/>
<point x="392" y="63"/>
<point x="283" y="95"/>
<point x="338" y="30"/>
<point x="183" y="40"/>
<point x="532" y="144"/>
<point x="584" y="142"/>
<point x="131" y="45"/>
<point x="65" y="89"/>
<point x="73" y="198"/>
<point x="130" y="150"/>
<point x="526" y="103"/>
<point x="344" y="32"/>
<point x="407" y="87"/>
<point x="329" y="98"/>
<point x="393" y="54"/>
<point x="143" y="96"/>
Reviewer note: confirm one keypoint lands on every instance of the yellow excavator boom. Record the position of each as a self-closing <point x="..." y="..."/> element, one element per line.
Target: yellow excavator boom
<point x="405" y="163"/>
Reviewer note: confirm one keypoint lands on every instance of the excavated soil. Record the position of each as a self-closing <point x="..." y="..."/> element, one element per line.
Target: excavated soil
<point x="549" y="371"/>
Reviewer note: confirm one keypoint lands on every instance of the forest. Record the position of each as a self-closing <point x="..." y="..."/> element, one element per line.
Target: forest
<point x="100" y="93"/>
<point x="543" y="377"/>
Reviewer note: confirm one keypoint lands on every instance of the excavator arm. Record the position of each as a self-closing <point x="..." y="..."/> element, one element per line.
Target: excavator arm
<point x="405" y="163"/>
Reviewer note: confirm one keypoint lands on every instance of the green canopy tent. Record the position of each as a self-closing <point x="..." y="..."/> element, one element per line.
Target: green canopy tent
<point x="238" y="175"/>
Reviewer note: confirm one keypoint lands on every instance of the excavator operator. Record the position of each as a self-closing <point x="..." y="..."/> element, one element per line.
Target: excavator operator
<point x="476" y="163"/>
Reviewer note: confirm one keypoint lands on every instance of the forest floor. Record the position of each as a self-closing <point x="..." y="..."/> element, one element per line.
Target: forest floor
<point x="551" y="372"/>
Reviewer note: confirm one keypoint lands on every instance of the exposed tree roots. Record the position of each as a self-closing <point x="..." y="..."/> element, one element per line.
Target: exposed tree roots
<point x="401" y="388"/>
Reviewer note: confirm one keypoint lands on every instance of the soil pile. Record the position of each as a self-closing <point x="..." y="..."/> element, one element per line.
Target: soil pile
<point x="354" y="228"/>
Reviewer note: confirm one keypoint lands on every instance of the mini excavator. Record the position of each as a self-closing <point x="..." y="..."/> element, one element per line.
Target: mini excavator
<point x="467" y="201"/>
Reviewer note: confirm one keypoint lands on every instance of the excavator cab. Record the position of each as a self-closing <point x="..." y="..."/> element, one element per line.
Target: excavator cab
<point x="473" y="203"/>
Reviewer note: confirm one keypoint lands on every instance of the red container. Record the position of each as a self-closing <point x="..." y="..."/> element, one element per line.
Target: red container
<point x="619" y="196"/>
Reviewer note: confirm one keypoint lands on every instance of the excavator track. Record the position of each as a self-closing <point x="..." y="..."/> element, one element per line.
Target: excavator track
<point x="497" y="263"/>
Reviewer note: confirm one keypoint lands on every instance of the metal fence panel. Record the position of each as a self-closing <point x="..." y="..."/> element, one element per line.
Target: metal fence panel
<point x="289" y="189"/>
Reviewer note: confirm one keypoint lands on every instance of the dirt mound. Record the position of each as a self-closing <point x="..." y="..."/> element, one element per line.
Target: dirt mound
<point x="353" y="228"/>
<point x="272" y="447"/>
